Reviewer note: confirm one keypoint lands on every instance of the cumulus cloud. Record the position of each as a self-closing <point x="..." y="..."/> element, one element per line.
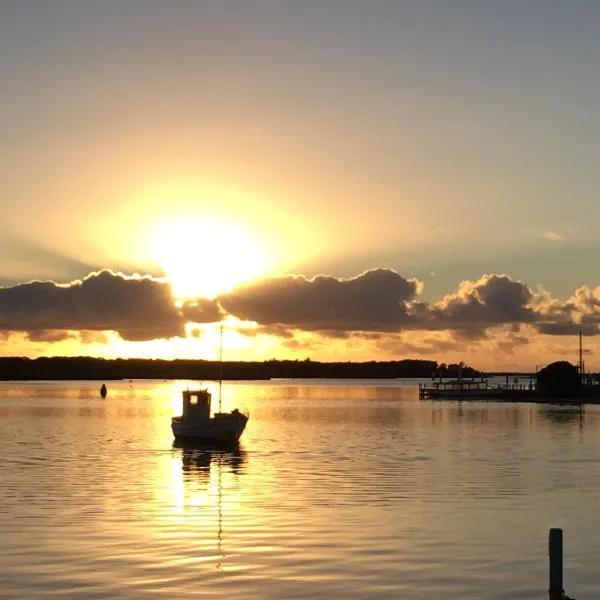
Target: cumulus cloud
<point x="382" y="301"/>
<point x="566" y="328"/>
<point x="511" y="342"/>
<point x="93" y="337"/>
<point x="580" y="312"/>
<point x="377" y="300"/>
<point x="50" y="335"/>
<point x="478" y="305"/>
<point x="372" y="306"/>
<point x="302" y="345"/>
<point x="201" y="311"/>
<point x="138" y="308"/>
<point x="429" y="345"/>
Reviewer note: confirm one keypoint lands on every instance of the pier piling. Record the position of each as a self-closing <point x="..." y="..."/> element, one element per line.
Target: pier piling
<point x="555" y="552"/>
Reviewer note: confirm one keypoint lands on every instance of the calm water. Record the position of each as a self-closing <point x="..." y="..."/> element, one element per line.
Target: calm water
<point x="339" y="490"/>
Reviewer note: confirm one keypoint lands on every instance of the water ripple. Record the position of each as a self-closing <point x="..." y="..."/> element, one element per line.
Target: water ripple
<point x="337" y="491"/>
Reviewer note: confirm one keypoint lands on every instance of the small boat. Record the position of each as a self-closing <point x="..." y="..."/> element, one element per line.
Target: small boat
<point x="196" y="425"/>
<point x="103" y="391"/>
<point x="460" y="388"/>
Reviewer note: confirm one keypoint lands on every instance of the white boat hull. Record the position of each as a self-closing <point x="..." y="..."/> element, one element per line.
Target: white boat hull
<point x="222" y="428"/>
<point x="449" y="393"/>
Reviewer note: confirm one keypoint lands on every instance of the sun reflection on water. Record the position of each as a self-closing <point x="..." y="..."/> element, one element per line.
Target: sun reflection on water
<point x="200" y="494"/>
<point x="336" y="491"/>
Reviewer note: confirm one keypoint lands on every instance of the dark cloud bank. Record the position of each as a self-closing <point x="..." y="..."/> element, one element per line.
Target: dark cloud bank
<point x="370" y="305"/>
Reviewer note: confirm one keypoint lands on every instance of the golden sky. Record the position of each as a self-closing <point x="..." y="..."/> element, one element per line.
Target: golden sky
<point x="349" y="181"/>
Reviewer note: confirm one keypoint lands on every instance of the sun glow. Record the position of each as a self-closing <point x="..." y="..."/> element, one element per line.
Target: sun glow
<point x="204" y="258"/>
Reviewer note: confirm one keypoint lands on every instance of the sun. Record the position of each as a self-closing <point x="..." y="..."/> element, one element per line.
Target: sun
<point x="205" y="258"/>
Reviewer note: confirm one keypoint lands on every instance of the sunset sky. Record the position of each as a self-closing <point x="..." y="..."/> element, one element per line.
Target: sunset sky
<point x="339" y="180"/>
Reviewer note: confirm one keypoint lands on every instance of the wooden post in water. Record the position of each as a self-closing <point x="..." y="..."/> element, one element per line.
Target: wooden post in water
<point x="555" y="552"/>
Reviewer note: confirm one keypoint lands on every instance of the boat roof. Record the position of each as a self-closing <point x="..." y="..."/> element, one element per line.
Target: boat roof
<point x="465" y="381"/>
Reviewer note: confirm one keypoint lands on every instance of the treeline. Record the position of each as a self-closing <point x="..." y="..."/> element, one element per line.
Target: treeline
<point x="73" y="368"/>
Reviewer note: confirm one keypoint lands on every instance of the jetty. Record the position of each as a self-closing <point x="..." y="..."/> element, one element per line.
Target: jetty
<point x="559" y="382"/>
<point x="479" y="388"/>
<point x="514" y="389"/>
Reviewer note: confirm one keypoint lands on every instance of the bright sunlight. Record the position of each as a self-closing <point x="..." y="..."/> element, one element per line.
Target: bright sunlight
<point x="204" y="258"/>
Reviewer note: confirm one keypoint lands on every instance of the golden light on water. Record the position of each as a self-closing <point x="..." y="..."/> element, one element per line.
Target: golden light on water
<point x="203" y="258"/>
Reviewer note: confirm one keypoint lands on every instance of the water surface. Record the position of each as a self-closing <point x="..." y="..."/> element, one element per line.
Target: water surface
<point x="339" y="489"/>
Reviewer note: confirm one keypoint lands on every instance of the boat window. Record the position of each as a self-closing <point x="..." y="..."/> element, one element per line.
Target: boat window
<point x="193" y="399"/>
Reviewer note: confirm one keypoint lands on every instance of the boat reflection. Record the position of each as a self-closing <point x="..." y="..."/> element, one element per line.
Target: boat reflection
<point x="197" y="458"/>
<point x="197" y="461"/>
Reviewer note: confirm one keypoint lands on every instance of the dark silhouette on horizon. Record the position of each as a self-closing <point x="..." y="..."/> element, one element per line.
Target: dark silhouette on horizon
<point x="88" y="368"/>
<point x="559" y="379"/>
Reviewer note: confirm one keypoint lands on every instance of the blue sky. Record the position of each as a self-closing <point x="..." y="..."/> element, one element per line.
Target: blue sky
<point x="444" y="140"/>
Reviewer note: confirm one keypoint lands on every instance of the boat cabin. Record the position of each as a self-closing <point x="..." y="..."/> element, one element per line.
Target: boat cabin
<point x="461" y="384"/>
<point x="456" y="388"/>
<point x="196" y="405"/>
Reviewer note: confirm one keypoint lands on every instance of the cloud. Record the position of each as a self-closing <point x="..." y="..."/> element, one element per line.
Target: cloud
<point x="50" y="335"/>
<point x="508" y="344"/>
<point x="302" y="345"/>
<point x="566" y="328"/>
<point x="138" y="308"/>
<point x="93" y="337"/>
<point x="273" y="330"/>
<point x="375" y="306"/>
<point x="376" y="300"/>
<point x="434" y="344"/>
<point x="554" y="237"/>
<point x="382" y="301"/>
<point x="201" y="311"/>
<point x="579" y="312"/>
<point x="491" y="300"/>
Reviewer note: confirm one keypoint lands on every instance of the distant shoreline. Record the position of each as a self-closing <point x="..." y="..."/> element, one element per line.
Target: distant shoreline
<point x="88" y="368"/>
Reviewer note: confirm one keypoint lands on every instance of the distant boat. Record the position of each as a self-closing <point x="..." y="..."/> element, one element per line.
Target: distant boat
<point x="195" y="423"/>
<point x="103" y="391"/>
<point x="461" y="388"/>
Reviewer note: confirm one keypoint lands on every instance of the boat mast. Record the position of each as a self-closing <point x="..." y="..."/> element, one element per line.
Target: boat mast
<point x="220" y="365"/>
